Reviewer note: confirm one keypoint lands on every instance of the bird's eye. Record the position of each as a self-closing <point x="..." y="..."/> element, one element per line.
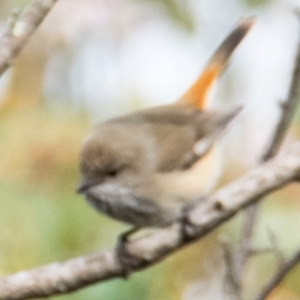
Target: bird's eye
<point x="112" y="173"/>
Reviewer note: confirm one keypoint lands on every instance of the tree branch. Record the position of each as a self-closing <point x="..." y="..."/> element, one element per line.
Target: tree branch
<point x="287" y="111"/>
<point x="279" y="276"/>
<point x="20" y="30"/>
<point x="71" y="275"/>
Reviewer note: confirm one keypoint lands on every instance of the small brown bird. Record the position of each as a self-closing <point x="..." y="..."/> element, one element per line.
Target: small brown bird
<point x="146" y="167"/>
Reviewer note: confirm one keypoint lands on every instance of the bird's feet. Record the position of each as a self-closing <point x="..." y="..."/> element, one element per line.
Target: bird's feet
<point x="127" y="261"/>
<point x="184" y="221"/>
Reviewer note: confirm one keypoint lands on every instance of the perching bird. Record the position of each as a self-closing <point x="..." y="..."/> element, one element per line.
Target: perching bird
<point x="146" y="167"/>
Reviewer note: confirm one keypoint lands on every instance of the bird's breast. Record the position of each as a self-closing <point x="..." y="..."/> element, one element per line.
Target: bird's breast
<point x="120" y="203"/>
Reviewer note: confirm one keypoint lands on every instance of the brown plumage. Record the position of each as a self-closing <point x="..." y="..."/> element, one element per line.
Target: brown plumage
<point x="144" y="168"/>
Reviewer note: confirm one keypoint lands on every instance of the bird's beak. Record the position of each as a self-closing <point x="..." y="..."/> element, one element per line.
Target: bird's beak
<point x="83" y="185"/>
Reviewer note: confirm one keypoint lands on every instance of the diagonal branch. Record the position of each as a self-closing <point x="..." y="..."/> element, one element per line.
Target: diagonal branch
<point x="279" y="276"/>
<point x="20" y="30"/>
<point x="288" y="109"/>
<point x="71" y="275"/>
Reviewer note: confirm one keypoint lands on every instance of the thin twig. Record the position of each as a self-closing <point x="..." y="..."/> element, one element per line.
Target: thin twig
<point x="276" y="249"/>
<point x="245" y="247"/>
<point x="283" y="271"/>
<point x="288" y="109"/>
<point x="61" y="278"/>
<point x="20" y="29"/>
<point x="230" y="284"/>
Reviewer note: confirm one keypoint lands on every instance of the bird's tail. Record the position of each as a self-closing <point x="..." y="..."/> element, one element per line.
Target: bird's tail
<point x="196" y="95"/>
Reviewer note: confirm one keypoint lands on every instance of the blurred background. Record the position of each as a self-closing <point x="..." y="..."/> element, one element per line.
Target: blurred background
<point x="94" y="59"/>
